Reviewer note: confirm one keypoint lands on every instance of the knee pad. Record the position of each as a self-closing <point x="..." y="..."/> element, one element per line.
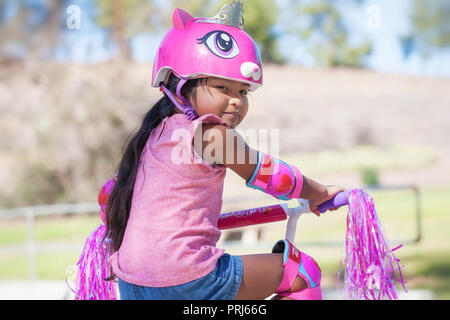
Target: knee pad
<point x="297" y="263"/>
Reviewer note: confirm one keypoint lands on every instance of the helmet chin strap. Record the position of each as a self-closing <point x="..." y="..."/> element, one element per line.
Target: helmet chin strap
<point x="180" y="102"/>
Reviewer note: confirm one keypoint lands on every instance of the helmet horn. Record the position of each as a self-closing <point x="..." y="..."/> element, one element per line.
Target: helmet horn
<point x="180" y="18"/>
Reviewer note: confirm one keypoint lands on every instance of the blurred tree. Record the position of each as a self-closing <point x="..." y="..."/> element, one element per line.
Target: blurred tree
<point x="29" y="28"/>
<point x="197" y="8"/>
<point x="260" y="17"/>
<point x="327" y="35"/>
<point x="430" y="21"/>
<point x="3" y="10"/>
<point x="370" y="176"/>
<point x="125" y="19"/>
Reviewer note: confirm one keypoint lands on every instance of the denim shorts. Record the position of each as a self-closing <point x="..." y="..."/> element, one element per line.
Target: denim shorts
<point x="221" y="284"/>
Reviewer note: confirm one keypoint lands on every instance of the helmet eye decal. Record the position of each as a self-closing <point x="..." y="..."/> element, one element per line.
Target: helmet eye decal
<point x="221" y="43"/>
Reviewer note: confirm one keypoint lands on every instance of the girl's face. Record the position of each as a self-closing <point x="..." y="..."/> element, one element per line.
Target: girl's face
<point x="227" y="99"/>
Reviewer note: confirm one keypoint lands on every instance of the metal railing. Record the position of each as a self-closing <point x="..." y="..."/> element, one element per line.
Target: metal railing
<point x="417" y="202"/>
<point x="30" y="213"/>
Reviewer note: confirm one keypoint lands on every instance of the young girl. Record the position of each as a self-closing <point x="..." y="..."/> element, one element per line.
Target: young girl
<point x="161" y="216"/>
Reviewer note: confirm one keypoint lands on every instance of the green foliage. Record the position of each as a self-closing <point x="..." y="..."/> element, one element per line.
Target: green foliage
<point x="328" y="36"/>
<point x="369" y="176"/>
<point x="259" y="18"/>
<point x="38" y="38"/>
<point x="196" y="8"/>
<point x="430" y="24"/>
<point x="125" y="19"/>
<point x="136" y="15"/>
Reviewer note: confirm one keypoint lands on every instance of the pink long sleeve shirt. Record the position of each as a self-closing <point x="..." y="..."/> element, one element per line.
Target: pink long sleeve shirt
<point x="172" y="232"/>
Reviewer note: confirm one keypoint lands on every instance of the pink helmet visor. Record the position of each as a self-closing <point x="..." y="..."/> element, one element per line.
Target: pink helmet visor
<point x="198" y="47"/>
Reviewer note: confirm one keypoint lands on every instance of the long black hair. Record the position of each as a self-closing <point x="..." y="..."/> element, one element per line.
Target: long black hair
<point x="119" y="202"/>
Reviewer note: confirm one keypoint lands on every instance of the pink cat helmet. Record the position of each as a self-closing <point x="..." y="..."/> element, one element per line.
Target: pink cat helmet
<point x="208" y="47"/>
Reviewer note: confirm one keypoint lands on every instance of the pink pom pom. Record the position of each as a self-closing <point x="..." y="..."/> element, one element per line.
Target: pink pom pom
<point x="92" y="268"/>
<point x="370" y="264"/>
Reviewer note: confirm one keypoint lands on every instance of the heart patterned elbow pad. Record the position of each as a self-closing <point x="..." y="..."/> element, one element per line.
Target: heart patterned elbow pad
<point x="276" y="177"/>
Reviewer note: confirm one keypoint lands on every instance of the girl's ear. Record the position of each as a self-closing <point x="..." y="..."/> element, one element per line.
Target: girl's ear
<point x="180" y="18"/>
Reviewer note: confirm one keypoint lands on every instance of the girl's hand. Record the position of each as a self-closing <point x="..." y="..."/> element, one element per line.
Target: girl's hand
<point x="327" y="193"/>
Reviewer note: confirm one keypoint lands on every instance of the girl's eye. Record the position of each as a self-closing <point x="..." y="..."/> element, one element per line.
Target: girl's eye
<point x="220" y="43"/>
<point x="244" y="92"/>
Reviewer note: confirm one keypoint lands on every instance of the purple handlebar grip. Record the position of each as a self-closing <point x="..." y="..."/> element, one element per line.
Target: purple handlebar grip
<point x="338" y="200"/>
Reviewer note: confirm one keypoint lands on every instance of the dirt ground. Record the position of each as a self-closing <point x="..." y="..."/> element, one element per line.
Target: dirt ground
<point x="339" y="107"/>
<point x="48" y="107"/>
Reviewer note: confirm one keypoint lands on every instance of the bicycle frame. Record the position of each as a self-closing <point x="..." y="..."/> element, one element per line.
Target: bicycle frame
<point x="266" y="214"/>
<point x="278" y="212"/>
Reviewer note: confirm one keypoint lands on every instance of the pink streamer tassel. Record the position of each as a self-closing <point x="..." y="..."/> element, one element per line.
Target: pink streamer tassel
<point x="92" y="268"/>
<point x="370" y="264"/>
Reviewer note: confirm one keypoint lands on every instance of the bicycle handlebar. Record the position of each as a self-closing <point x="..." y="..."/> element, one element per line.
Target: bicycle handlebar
<point x="338" y="200"/>
<point x="278" y="212"/>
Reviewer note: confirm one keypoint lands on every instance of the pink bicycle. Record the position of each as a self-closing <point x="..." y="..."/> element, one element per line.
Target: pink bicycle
<point x="370" y="264"/>
<point x="298" y="260"/>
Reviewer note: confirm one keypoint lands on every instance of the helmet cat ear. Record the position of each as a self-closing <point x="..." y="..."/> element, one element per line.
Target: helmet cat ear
<point x="180" y="18"/>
